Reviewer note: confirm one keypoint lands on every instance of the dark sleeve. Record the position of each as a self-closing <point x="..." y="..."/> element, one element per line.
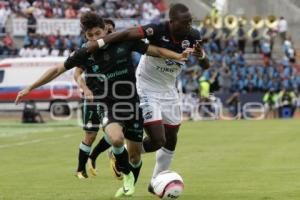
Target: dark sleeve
<point x="77" y="58"/>
<point x="150" y="31"/>
<point x="195" y="35"/>
<point x="139" y="46"/>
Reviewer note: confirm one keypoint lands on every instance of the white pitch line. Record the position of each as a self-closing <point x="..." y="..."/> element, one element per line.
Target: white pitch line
<point x="32" y="142"/>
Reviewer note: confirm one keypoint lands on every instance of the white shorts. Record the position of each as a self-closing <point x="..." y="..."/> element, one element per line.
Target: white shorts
<point x="160" y="110"/>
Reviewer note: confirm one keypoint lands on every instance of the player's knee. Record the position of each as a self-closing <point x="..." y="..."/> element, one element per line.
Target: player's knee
<point x="89" y="138"/>
<point x="117" y="140"/>
<point x="135" y="158"/>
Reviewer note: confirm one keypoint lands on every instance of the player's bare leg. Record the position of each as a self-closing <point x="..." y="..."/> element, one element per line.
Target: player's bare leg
<point x="155" y="138"/>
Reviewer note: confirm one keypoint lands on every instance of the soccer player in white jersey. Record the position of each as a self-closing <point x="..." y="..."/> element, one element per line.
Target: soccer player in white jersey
<point x="156" y="79"/>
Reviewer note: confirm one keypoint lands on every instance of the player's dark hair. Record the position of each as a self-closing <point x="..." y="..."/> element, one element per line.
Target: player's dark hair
<point x="91" y="20"/>
<point x="177" y="9"/>
<point x="111" y="22"/>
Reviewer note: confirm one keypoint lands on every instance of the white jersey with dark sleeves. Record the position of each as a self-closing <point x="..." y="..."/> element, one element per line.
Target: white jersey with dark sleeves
<point x="157" y="74"/>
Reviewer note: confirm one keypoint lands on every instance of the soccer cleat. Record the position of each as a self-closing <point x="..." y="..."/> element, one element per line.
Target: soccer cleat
<point x="128" y="184"/>
<point x="81" y="175"/>
<point x="92" y="167"/>
<point x="116" y="173"/>
<point x="119" y="193"/>
<point x="151" y="189"/>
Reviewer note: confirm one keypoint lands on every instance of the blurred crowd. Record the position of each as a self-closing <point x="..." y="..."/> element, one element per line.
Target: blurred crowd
<point x="145" y="9"/>
<point x="36" y="45"/>
<point x="241" y="64"/>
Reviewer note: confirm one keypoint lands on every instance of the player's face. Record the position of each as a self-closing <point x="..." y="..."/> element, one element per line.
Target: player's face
<point x="182" y="24"/>
<point x="109" y="28"/>
<point x="95" y="33"/>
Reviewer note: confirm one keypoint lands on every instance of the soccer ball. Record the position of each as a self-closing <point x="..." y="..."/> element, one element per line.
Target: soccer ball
<point x="168" y="185"/>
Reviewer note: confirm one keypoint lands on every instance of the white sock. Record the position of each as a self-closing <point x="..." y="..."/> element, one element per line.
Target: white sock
<point x="163" y="161"/>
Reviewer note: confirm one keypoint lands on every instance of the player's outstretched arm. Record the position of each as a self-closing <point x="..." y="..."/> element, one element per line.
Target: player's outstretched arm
<point x="88" y="94"/>
<point x="201" y="55"/>
<point x="48" y="76"/>
<point x="133" y="33"/>
<point x="165" y="53"/>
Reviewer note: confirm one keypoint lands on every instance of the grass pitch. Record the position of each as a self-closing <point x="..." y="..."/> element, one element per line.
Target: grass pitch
<point x="218" y="160"/>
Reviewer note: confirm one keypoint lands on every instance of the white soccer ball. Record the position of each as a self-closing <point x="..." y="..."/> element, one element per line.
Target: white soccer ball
<point x="168" y="185"/>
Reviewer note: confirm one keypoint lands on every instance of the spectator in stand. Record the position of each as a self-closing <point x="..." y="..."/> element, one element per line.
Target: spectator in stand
<point x="271" y="35"/>
<point x="287" y="101"/>
<point x="48" y="10"/>
<point x="241" y="34"/>
<point x="58" y="11"/>
<point x="37" y="51"/>
<point x="8" y="44"/>
<point x="24" y="5"/>
<point x="161" y="6"/>
<point x="31" y="21"/>
<point x="255" y="36"/>
<point x="30" y="51"/>
<point x="149" y="11"/>
<point x="266" y="50"/>
<point x="270" y="100"/>
<point x="83" y="9"/>
<point x="23" y="51"/>
<point x="66" y="53"/>
<point x="70" y="12"/>
<point x="282" y="28"/>
<point x="45" y="51"/>
<point x="225" y="80"/>
<point x="4" y="13"/>
<point x="38" y="10"/>
<point x="240" y="59"/>
<point x="54" y="53"/>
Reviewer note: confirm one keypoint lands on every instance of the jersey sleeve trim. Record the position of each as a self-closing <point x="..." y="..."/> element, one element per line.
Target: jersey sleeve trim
<point x="156" y="122"/>
<point x="172" y="126"/>
<point x="141" y="31"/>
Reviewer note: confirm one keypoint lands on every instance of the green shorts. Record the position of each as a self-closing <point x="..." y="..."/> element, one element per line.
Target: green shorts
<point x="132" y="127"/>
<point x="92" y="115"/>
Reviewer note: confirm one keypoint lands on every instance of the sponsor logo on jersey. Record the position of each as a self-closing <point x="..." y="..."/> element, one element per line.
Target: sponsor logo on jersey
<point x="149" y="31"/>
<point x="120" y="50"/>
<point x="170" y="62"/>
<point x="165" y="39"/>
<point x="173" y="62"/>
<point x="136" y="125"/>
<point x="165" y="69"/>
<point x="144" y="99"/>
<point x="185" y="44"/>
<point x="148" y="115"/>
<point x="95" y="68"/>
<point x="89" y="124"/>
<point x="121" y="61"/>
<point x="117" y="73"/>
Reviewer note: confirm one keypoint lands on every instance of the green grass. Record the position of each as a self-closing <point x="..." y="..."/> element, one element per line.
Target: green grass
<point x="219" y="160"/>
